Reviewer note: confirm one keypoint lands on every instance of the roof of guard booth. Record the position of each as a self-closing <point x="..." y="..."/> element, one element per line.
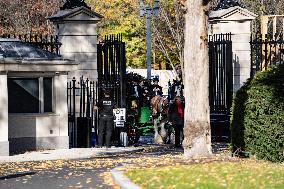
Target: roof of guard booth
<point x="18" y="56"/>
<point x="16" y="49"/>
<point x="72" y="13"/>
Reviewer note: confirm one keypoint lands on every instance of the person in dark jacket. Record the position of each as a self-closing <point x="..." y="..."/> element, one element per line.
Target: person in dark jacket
<point x="156" y="89"/>
<point x="106" y="119"/>
<point x="176" y="117"/>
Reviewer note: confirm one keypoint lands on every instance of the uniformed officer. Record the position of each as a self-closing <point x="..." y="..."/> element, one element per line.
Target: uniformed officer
<point x="106" y="118"/>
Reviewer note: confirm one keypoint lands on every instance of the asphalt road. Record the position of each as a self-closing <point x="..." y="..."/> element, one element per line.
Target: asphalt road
<point x="58" y="178"/>
<point x="83" y="173"/>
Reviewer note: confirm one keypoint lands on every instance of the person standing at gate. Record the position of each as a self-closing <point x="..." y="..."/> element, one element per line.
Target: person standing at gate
<point x="106" y="118"/>
<point x="176" y="116"/>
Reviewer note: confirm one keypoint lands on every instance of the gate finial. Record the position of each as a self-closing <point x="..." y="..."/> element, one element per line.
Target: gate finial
<point x="225" y="4"/>
<point x="71" y="4"/>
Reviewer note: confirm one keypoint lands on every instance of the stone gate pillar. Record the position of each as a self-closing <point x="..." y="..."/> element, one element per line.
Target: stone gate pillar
<point x="232" y="18"/>
<point x="77" y="31"/>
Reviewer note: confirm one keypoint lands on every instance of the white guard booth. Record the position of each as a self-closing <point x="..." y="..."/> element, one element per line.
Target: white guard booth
<point x="33" y="82"/>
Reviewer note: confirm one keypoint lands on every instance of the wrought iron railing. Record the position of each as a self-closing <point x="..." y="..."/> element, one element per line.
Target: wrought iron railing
<point x="266" y="51"/>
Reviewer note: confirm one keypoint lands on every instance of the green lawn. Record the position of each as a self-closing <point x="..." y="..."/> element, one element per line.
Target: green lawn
<point x="215" y="175"/>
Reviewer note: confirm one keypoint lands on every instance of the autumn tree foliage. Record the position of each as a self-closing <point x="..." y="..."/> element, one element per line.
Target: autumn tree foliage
<point x="27" y="16"/>
<point x="122" y="16"/>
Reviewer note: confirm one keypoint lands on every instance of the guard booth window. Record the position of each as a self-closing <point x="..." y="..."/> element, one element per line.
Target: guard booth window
<point x="30" y="95"/>
<point x="47" y="94"/>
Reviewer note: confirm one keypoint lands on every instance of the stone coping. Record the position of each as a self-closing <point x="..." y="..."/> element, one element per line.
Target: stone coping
<point x="14" y="65"/>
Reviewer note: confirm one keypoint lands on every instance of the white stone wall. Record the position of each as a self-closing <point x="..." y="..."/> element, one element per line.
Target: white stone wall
<point x="36" y="125"/>
<point x="4" y="144"/>
<point x="33" y="125"/>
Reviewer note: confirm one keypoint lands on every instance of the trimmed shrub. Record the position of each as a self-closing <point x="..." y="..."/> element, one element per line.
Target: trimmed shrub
<point x="257" y="122"/>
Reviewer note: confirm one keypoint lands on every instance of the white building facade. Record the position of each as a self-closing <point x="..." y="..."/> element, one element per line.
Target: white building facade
<point x="34" y="111"/>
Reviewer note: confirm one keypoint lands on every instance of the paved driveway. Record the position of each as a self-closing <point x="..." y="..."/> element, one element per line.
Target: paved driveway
<point x="88" y="173"/>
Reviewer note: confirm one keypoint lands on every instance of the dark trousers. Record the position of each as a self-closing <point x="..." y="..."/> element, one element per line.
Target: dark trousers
<point x="105" y="130"/>
<point x="178" y="132"/>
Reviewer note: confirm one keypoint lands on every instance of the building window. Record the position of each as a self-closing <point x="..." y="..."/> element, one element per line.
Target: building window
<point x="23" y="95"/>
<point x="47" y="94"/>
<point x="30" y="95"/>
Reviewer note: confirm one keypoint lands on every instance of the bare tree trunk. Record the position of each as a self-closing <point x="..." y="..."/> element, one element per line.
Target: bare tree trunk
<point x="197" y="134"/>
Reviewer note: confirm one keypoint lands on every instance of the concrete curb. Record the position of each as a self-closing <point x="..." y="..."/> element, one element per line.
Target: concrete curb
<point x="65" y="154"/>
<point x="122" y="181"/>
<point x="122" y="152"/>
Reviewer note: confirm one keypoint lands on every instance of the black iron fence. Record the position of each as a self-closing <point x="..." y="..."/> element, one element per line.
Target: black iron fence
<point x="82" y="95"/>
<point x="49" y="43"/>
<point x="266" y="51"/>
<point x="220" y="84"/>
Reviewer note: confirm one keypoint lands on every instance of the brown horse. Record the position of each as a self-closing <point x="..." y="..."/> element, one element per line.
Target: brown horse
<point x="160" y="109"/>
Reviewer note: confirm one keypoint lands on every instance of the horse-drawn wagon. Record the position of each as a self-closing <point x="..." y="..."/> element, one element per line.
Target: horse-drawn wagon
<point x="148" y="110"/>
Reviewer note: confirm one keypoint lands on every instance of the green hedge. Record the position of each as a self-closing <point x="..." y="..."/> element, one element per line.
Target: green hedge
<point x="257" y="122"/>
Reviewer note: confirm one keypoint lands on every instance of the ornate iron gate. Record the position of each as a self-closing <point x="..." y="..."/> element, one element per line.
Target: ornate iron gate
<point x="83" y="94"/>
<point x="82" y="120"/>
<point x="220" y="84"/>
<point x="112" y="72"/>
<point x="112" y="68"/>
